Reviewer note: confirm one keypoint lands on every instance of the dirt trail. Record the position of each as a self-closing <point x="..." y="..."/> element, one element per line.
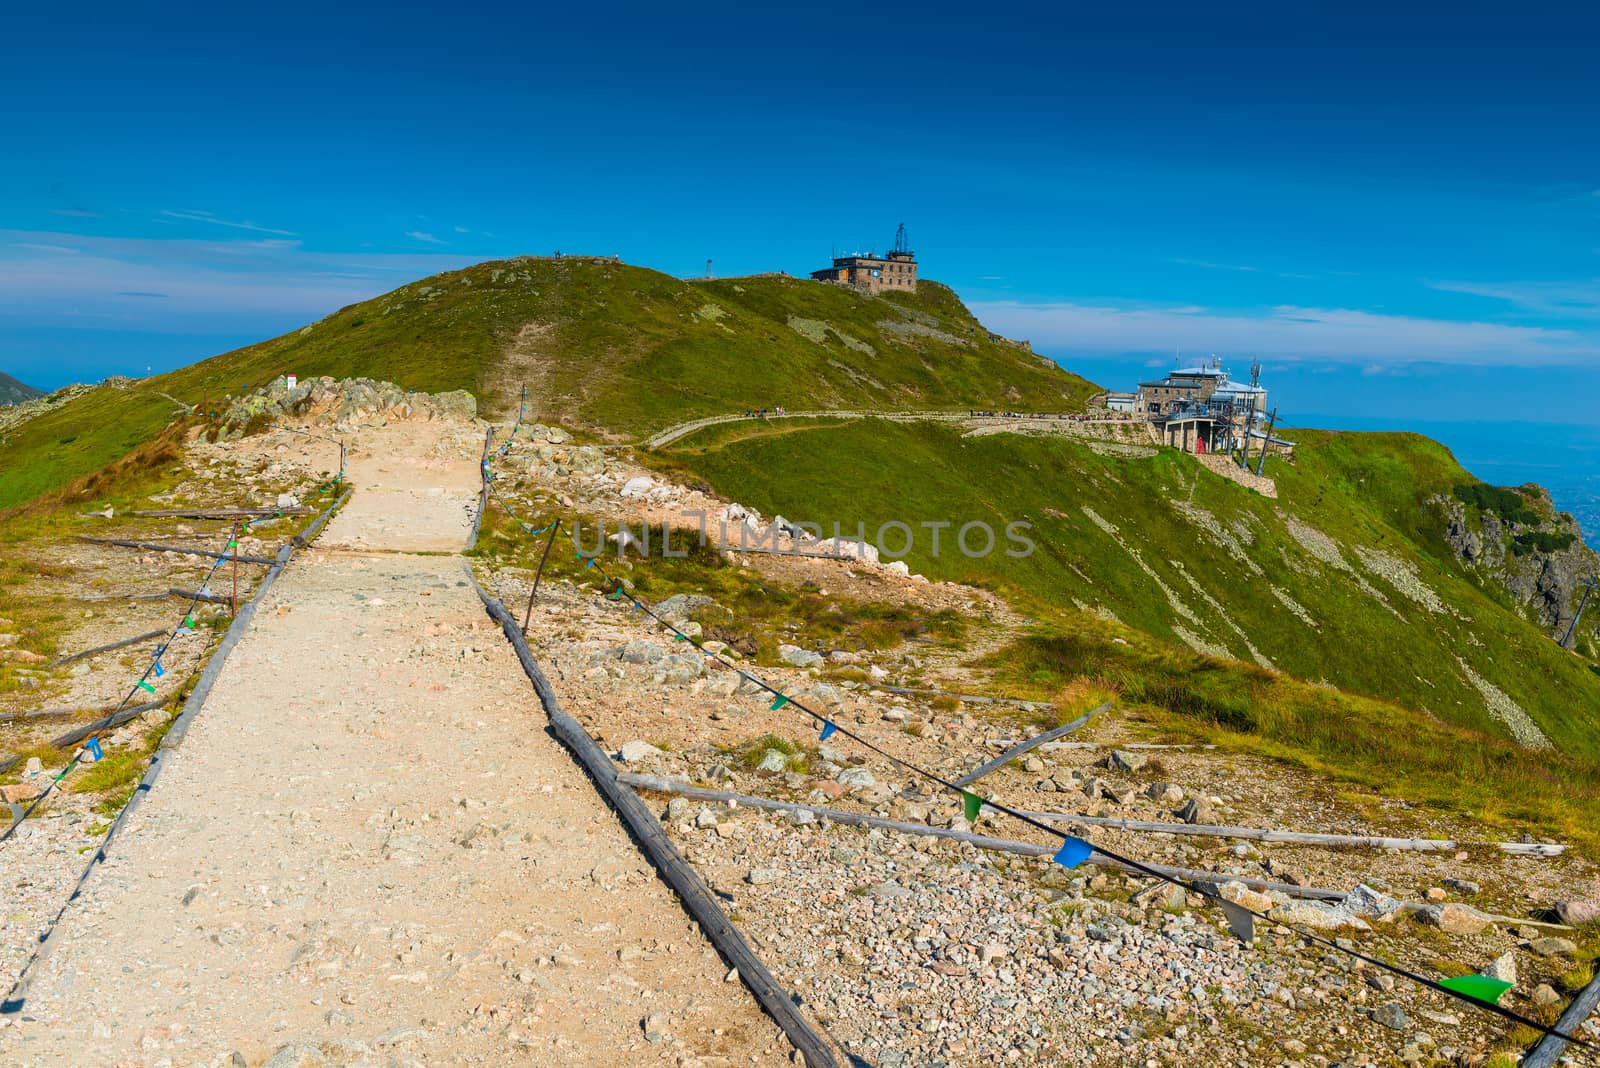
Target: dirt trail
<point x="367" y="851"/>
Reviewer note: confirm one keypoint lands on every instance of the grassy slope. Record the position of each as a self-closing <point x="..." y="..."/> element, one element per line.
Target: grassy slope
<point x="622" y="349"/>
<point x="1359" y="489"/>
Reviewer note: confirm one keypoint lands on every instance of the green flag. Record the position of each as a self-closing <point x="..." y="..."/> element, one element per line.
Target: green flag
<point x="780" y="702"/>
<point x="188" y="621"/>
<point x="1481" y="987"/>
<point x="146" y="685"/>
<point x="971" y="804"/>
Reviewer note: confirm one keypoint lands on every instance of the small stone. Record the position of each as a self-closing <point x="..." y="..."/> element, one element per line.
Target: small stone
<point x="773" y="760"/>
<point x="705" y="819"/>
<point x="763" y="876"/>
<point x="1464" y="886"/>
<point x="1435" y="893"/>
<point x="1390" y="1015"/>
<point x="1545" y="996"/>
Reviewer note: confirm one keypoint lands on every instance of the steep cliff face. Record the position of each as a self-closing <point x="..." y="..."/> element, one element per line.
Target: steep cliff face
<point x="1517" y="539"/>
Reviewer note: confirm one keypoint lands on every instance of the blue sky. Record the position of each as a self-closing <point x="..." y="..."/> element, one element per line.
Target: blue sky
<point x="1394" y="208"/>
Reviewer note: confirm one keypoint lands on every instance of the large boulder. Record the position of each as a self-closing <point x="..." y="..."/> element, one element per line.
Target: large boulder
<point x="1318" y="916"/>
<point x="1578" y="913"/>
<point x="1455" y="919"/>
<point x="1365" y="901"/>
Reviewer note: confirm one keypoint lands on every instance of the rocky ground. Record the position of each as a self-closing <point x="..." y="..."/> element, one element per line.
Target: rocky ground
<point x="918" y="952"/>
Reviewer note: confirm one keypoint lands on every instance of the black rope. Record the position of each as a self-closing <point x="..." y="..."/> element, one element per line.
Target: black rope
<point x="93" y="741"/>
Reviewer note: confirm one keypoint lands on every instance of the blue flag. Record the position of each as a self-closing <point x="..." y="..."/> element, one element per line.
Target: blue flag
<point x="1073" y="851"/>
<point x="94" y="749"/>
<point x="828" y="727"/>
<point x="160" y="671"/>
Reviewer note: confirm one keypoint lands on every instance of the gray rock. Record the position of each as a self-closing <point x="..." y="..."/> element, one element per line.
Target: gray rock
<point x="1317" y="916"/>
<point x="1123" y="760"/>
<point x="1503" y="967"/>
<point x="1390" y="1015"/>
<point x="1365" y="901"/>
<point x="681" y="669"/>
<point x="801" y="658"/>
<point x="1553" y="947"/>
<point x="682" y="605"/>
<point x="637" y="752"/>
<point x="857" y="777"/>
<point x="1164" y="793"/>
<point x="773" y="760"/>
<point x="763" y="876"/>
<point x="1578" y="913"/>
<point x="1545" y="996"/>
<point x="1455" y="919"/>
<point x="1464" y="886"/>
<point x="641" y="652"/>
<point x="1197" y="810"/>
<point x="1120" y="795"/>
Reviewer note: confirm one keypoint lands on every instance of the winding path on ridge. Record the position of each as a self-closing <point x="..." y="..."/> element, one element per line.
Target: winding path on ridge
<point x="368" y="851"/>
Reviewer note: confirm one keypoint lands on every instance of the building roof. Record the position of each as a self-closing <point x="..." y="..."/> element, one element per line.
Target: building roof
<point x="1236" y="387"/>
<point x="1191" y="372"/>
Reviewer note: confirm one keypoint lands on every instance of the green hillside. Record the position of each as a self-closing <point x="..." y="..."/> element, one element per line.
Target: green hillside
<point x="616" y="349"/>
<point x="14" y="392"/>
<point x="1342" y="579"/>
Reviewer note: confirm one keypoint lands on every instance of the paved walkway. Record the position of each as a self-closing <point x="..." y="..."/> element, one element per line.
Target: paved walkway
<point x="367" y="851"/>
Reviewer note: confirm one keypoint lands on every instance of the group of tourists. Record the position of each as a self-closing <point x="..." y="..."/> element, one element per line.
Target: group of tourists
<point x="763" y="413"/>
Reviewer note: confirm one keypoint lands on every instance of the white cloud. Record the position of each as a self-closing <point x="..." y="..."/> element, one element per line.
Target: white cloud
<point x="419" y="235"/>
<point x="207" y="217"/>
<point x="1285" y="332"/>
<point x="1575" y="299"/>
<point x="46" y="248"/>
<point x="208" y="285"/>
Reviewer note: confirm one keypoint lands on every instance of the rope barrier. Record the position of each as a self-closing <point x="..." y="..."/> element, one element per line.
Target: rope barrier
<point x="92" y="746"/>
<point x="1478" y="991"/>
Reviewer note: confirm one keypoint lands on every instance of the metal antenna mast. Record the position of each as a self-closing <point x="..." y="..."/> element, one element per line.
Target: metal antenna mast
<point x="1255" y="374"/>
<point x="1589" y="586"/>
<point x="1261" y="461"/>
<point x="900" y="242"/>
<point x="708" y="269"/>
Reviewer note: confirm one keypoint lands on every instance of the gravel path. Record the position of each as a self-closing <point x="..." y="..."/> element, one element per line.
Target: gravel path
<point x="368" y="852"/>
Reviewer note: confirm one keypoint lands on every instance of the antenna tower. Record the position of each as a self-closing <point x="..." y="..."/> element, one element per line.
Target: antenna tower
<point x="1255" y="374"/>
<point x="900" y="242"/>
<point x="708" y="269"/>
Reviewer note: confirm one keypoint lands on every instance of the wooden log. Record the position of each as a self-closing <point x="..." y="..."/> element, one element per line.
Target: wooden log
<point x="1032" y="743"/>
<point x="68" y="713"/>
<point x="675" y="871"/>
<point x="982" y="841"/>
<point x="1266" y="834"/>
<point x="135" y="640"/>
<point x="219" y="513"/>
<point x="483" y="490"/>
<point x="1548" y="1052"/>
<point x="78" y="734"/>
<point x="968" y="697"/>
<point x="196" y="595"/>
<point x="175" y="549"/>
<point x="728" y="548"/>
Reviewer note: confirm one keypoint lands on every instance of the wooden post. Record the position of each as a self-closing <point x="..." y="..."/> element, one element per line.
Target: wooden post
<point x="1550" y="1048"/>
<point x="233" y="543"/>
<point x="527" y="616"/>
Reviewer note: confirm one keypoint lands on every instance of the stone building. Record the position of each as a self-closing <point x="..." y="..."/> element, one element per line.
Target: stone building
<point x="893" y="272"/>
